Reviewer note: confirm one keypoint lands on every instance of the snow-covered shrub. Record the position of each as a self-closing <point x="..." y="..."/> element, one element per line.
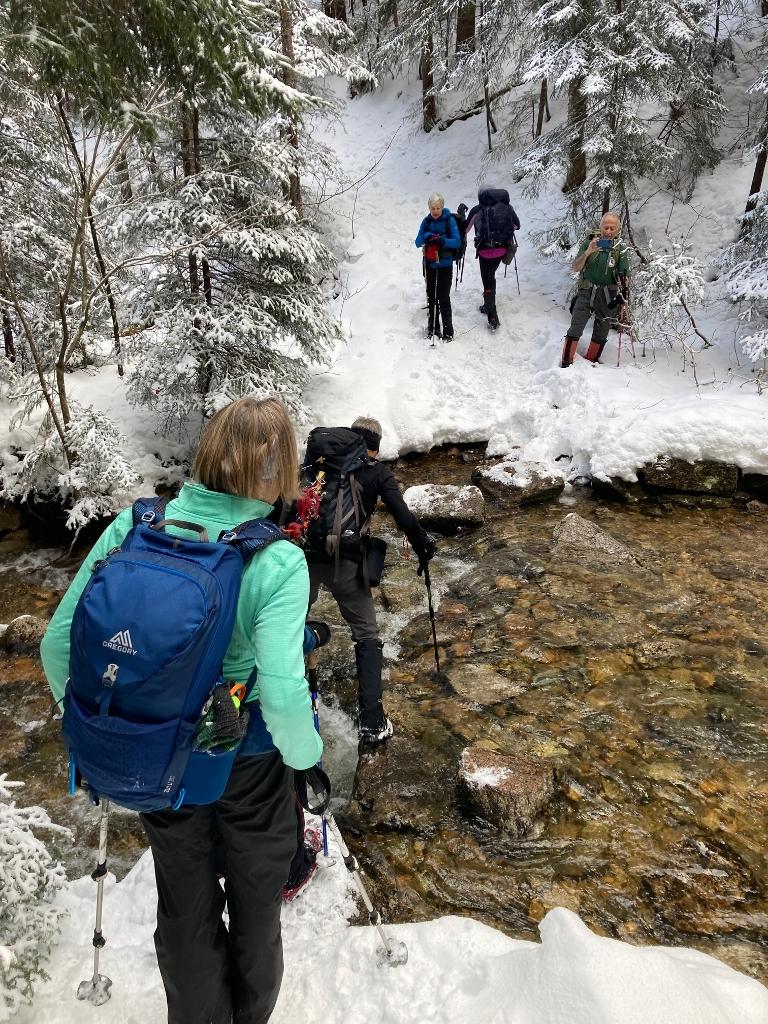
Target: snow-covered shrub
<point x="98" y="479"/>
<point x="664" y="291"/>
<point x="29" y="877"/>
<point x="746" y="277"/>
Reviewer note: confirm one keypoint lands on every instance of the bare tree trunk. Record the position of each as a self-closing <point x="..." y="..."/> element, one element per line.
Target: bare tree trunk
<point x="289" y="77"/>
<point x="606" y="201"/>
<point x="577" y="161"/>
<point x="335" y="9"/>
<point x="396" y="19"/>
<point x="428" y="101"/>
<point x="465" y="27"/>
<point x="123" y="176"/>
<point x="757" y="177"/>
<point x="10" y="348"/>
<point x="543" y="106"/>
<point x="188" y="165"/>
<point x="61" y="109"/>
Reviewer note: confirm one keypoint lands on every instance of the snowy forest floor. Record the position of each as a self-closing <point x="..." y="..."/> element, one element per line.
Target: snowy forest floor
<point x="506" y="386"/>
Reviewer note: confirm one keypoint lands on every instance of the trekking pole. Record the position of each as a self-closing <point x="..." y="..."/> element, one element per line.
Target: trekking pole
<point x="517" y="276"/>
<point x="428" y="585"/>
<point x="95" y="990"/>
<point x="314" y="696"/>
<point x="393" y="953"/>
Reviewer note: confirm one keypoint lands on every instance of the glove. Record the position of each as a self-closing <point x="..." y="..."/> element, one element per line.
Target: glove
<point x="316" y="634"/>
<point x="316" y="781"/>
<point x="425" y="552"/>
<point x="434" y="237"/>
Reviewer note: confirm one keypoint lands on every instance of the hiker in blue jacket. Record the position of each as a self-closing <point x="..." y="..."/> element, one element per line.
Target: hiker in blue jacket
<point x="439" y="237"/>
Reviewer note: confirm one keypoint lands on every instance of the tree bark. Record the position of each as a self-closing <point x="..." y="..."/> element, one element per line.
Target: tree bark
<point x="289" y="77"/>
<point x="10" y="348"/>
<point x="428" y="101"/>
<point x="465" y="27"/>
<point x="543" y="106"/>
<point x="577" y="161"/>
<point x="757" y="176"/>
<point x="188" y="165"/>
<point x="335" y="9"/>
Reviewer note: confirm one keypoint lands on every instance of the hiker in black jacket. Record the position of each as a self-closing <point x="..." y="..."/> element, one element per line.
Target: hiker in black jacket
<point x="495" y="222"/>
<point x="347" y="582"/>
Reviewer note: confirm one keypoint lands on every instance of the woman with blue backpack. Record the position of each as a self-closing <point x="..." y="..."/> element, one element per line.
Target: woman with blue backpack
<point x="439" y="238"/>
<point x="246" y="459"/>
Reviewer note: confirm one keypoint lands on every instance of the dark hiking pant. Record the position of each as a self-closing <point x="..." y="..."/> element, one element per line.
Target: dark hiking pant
<point x="593" y="302"/>
<point x="213" y="974"/>
<point x="355" y="603"/>
<point x="438" y="282"/>
<point x="488" y="268"/>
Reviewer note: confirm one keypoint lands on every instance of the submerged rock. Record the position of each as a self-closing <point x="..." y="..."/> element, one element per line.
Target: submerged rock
<point x="506" y="790"/>
<point x="24" y="634"/>
<point x="706" y="477"/>
<point x="578" y="539"/>
<point x="446" y="505"/>
<point x="513" y="484"/>
<point x="482" y="684"/>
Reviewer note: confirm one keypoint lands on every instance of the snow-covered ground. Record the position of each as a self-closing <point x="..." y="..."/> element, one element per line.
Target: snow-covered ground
<point x="458" y="970"/>
<point x="507" y="386"/>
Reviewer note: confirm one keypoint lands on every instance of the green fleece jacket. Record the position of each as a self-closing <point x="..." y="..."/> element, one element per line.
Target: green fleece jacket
<point x="269" y="625"/>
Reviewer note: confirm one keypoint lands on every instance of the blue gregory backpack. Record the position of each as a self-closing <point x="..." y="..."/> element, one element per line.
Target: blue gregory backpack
<point x="147" y="642"/>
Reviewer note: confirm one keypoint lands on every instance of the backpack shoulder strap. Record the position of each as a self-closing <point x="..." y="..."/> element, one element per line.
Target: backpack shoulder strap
<point x="147" y="510"/>
<point x="252" y="536"/>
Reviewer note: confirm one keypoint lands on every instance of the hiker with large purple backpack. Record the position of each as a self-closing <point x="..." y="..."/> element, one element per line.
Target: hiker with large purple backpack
<point x="245" y="461"/>
<point x="495" y="222"/>
<point x="339" y="547"/>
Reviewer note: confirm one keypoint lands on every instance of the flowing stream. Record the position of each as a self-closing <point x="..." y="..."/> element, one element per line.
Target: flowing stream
<point x="644" y="685"/>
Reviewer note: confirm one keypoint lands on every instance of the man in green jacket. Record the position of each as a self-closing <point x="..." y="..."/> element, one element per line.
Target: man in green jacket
<point x="603" y="265"/>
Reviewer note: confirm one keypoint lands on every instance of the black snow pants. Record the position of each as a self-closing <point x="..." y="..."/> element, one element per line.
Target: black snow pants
<point x="214" y="975"/>
<point x="438" y="282"/>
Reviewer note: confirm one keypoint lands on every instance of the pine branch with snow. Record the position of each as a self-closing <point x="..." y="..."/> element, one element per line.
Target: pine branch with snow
<point x="29" y="878"/>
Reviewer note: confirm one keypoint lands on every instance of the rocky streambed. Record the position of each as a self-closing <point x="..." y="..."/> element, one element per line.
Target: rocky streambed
<point x="596" y="738"/>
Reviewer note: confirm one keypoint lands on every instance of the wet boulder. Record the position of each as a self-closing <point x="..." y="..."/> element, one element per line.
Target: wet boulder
<point x="756" y="483"/>
<point x="445" y="506"/>
<point x="399" y="786"/>
<point x="615" y="489"/>
<point x="578" y="539"/>
<point x="24" y="634"/>
<point x="505" y="790"/>
<point x="679" y="476"/>
<point x="513" y="484"/>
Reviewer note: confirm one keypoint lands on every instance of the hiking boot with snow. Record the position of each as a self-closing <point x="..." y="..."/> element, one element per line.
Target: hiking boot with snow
<point x="569" y="351"/>
<point x="301" y="877"/>
<point x="447" y="335"/>
<point x="595" y="350"/>
<point x="489" y="308"/>
<point x="377" y="735"/>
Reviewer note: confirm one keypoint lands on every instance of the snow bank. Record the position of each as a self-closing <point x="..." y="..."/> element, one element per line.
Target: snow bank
<point x="458" y="969"/>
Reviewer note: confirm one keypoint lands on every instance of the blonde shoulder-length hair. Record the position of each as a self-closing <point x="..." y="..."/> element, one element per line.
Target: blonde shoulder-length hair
<point x="248" y="443"/>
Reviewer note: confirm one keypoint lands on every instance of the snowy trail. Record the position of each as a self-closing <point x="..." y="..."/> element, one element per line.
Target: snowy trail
<point x="505" y="386"/>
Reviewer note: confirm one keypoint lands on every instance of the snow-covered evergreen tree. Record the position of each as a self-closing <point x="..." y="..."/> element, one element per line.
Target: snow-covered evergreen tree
<point x="29" y="877"/>
<point x="621" y="66"/>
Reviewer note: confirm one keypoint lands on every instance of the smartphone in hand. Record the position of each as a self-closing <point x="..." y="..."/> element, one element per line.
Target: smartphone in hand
<point x="605" y="243"/>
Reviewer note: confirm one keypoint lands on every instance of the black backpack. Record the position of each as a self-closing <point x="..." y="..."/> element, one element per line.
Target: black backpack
<point x="460" y="218"/>
<point x="495" y="221"/>
<point x="333" y="458"/>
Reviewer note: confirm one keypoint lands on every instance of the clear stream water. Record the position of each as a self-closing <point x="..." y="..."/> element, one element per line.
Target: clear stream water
<point x="646" y="689"/>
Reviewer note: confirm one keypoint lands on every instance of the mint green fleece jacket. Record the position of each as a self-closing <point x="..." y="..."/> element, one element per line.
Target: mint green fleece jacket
<point x="269" y="625"/>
